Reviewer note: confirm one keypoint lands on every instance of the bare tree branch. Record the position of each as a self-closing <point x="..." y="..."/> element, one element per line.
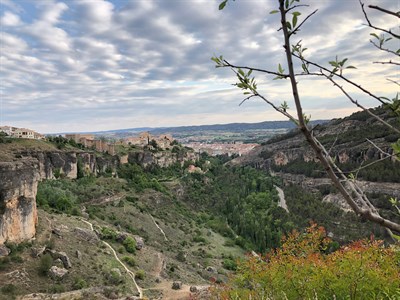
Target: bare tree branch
<point x="228" y="64"/>
<point x="305" y="19"/>
<point x="384" y="49"/>
<point x="342" y="77"/>
<point x="360" y="106"/>
<point x="374" y="27"/>
<point x="347" y="188"/>
<point x="385" y="10"/>
<point x="393" y="81"/>
<point x="386" y="63"/>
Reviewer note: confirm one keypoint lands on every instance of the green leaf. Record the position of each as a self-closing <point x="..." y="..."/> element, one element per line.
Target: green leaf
<point x="343" y="62"/>
<point x="241" y="72"/>
<point x="333" y="63"/>
<point x="222" y="5"/>
<point x="280" y="69"/>
<point x="288" y="25"/>
<point x="374" y="35"/>
<point x="388" y="39"/>
<point x="294" y="21"/>
<point x="351" y="67"/>
<point x="296" y="13"/>
<point x="273" y="12"/>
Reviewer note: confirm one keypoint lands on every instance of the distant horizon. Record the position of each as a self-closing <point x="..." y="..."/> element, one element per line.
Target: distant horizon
<point x="161" y="127"/>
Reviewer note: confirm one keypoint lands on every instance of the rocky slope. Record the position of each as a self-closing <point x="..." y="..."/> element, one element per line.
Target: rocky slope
<point x="352" y="142"/>
<point x="22" y="167"/>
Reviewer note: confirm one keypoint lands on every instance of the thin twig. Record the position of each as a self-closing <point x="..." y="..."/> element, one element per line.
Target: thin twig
<point x="374" y="27"/>
<point x="385" y="10"/>
<point x="393" y="81"/>
<point x="228" y="64"/>
<point x="360" y="106"/>
<point x="342" y="77"/>
<point x="384" y="49"/>
<point x="386" y="63"/>
<point x="379" y="149"/>
<point x="296" y="6"/>
<point x="247" y="98"/>
<point x="370" y="164"/>
<point x="298" y="27"/>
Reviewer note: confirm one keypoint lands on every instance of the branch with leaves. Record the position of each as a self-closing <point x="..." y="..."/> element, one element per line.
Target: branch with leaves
<point x="290" y="25"/>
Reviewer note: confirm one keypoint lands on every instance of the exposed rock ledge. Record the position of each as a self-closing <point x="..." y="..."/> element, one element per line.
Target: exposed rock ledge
<point x="18" y="215"/>
<point x="388" y="188"/>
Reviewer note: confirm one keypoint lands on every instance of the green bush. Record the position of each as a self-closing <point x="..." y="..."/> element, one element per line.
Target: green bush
<point x="57" y="288"/>
<point x="130" y="244"/>
<point x="8" y="289"/>
<point x="301" y="269"/>
<point x="229" y="264"/>
<point x="108" y="233"/>
<point x="140" y="274"/>
<point x="45" y="264"/>
<point x="199" y="239"/>
<point x="129" y="260"/>
<point x="79" y="283"/>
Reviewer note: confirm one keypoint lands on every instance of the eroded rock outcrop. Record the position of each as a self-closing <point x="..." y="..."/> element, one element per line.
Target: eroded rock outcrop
<point x="162" y="159"/>
<point x="18" y="187"/>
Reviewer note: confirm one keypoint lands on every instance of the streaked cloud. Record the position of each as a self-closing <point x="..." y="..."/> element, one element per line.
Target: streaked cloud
<point x="99" y="64"/>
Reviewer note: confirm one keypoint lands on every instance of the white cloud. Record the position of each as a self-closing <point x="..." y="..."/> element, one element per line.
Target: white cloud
<point x="82" y="64"/>
<point x="9" y="19"/>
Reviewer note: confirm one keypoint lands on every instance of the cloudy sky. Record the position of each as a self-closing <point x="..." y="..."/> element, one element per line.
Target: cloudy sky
<point x="89" y="65"/>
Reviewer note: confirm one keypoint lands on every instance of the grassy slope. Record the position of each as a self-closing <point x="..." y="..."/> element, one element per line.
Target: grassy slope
<point x="97" y="260"/>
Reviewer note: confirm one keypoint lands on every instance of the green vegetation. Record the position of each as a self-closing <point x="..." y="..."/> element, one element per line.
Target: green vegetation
<point x="130" y="244"/>
<point x="65" y="195"/>
<point x="301" y="269"/>
<point x="45" y="264"/>
<point x="130" y="261"/>
<point x="244" y="198"/>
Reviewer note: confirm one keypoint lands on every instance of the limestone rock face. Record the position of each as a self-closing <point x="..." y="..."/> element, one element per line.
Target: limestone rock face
<point x="162" y="159"/>
<point x="57" y="273"/>
<point x="18" y="187"/>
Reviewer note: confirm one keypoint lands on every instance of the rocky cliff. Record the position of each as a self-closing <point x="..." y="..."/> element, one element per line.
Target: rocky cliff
<point x="162" y="159"/>
<point x="352" y="142"/>
<point x="21" y="171"/>
<point x="18" y="185"/>
<point x="18" y="215"/>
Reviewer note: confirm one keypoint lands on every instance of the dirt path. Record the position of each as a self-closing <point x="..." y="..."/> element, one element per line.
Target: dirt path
<point x="282" y="201"/>
<point x="162" y="231"/>
<point x="130" y="273"/>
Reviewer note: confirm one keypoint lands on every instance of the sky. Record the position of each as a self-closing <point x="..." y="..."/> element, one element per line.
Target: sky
<point x="92" y="65"/>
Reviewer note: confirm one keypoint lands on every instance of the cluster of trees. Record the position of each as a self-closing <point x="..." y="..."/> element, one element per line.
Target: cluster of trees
<point x="245" y="198"/>
<point x="62" y="142"/>
<point x="65" y="195"/>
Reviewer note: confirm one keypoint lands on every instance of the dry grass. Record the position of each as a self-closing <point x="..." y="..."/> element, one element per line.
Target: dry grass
<point x="9" y="150"/>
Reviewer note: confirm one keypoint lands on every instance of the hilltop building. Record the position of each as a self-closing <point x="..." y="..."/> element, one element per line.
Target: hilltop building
<point x="22" y="133"/>
<point x="163" y="141"/>
<point x="89" y="141"/>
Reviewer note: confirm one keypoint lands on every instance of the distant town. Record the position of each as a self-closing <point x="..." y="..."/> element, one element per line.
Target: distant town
<point x="162" y="141"/>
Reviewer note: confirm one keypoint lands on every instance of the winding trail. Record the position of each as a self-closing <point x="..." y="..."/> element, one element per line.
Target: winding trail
<point x="162" y="231"/>
<point x="282" y="201"/>
<point x="130" y="273"/>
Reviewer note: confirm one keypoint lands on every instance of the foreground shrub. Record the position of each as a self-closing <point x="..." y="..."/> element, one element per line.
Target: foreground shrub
<point x="130" y="244"/>
<point x="301" y="270"/>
